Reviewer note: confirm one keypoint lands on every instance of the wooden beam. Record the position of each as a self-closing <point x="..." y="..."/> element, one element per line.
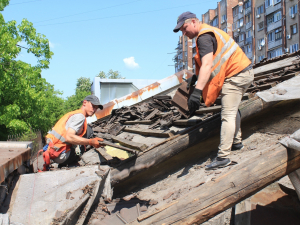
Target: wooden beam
<point x="105" y="155"/>
<point x="187" y="122"/>
<point x="138" y="122"/>
<point x="242" y="181"/>
<point x="212" y="109"/>
<point x="148" y="132"/>
<point x="130" y="144"/>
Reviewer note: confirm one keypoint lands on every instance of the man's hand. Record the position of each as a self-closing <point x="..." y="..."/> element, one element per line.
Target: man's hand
<point x="191" y="81"/>
<point x="95" y="142"/>
<point x="194" y="101"/>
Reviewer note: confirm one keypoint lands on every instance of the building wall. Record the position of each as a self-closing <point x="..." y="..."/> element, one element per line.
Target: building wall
<point x="292" y="21"/>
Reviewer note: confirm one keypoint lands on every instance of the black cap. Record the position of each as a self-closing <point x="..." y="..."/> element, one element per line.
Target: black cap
<point x="182" y="18"/>
<point x="94" y="100"/>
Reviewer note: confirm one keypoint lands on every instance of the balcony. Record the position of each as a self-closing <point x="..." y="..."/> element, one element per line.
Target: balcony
<point x="274" y="44"/>
<point x="248" y="40"/>
<point x="249" y="55"/>
<point x="248" y="25"/>
<point x="235" y="18"/>
<point x="273" y="26"/>
<point x="241" y="15"/>
<point x="241" y="43"/>
<point x="248" y="10"/>
<point x="274" y="8"/>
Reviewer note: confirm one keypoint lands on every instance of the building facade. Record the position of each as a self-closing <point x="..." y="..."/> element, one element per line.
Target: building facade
<point x="264" y="29"/>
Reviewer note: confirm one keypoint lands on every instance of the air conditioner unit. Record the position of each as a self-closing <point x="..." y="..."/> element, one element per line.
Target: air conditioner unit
<point x="238" y="30"/>
<point x="287" y="50"/>
<point x="258" y="16"/>
<point x="293" y="16"/>
<point x="259" y="48"/>
<point x="288" y="36"/>
<point x="262" y="44"/>
<point x="223" y="21"/>
<point x="241" y="10"/>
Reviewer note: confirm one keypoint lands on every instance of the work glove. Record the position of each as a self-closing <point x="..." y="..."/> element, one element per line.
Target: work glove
<point x="194" y="101"/>
<point x="191" y="81"/>
<point x="95" y="142"/>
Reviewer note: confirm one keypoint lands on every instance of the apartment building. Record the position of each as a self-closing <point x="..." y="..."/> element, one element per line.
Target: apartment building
<point x="291" y="26"/>
<point x="184" y="55"/>
<point x="260" y="35"/>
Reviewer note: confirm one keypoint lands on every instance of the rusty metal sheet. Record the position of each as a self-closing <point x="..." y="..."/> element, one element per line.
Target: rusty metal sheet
<point x="12" y="158"/>
<point x="144" y="93"/>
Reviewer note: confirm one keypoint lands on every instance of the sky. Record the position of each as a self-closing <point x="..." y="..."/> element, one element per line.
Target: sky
<point x="134" y="37"/>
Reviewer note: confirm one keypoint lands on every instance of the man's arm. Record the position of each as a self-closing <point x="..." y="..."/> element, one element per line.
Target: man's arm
<point x="205" y="71"/>
<point x="74" y="139"/>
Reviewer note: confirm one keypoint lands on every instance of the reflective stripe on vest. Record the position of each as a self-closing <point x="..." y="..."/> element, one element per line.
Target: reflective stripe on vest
<point x="219" y="57"/>
<point x="59" y="137"/>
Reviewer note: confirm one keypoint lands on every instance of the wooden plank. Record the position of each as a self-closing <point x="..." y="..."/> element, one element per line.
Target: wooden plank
<point x="105" y="155"/>
<point x="147" y="122"/>
<point x="188" y="122"/>
<point x="242" y="181"/>
<point x="212" y="109"/>
<point x="148" y="132"/>
<point x="275" y="65"/>
<point x="130" y="144"/>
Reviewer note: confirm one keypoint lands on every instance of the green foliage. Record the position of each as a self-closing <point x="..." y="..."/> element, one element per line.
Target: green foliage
<point x="83" y="84"/>
<point x="26" y="99"/>
<point x="75" y="101"/>
<point x="110" y="75"/>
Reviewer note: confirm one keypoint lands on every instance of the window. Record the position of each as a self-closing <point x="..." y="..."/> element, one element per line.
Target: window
<point x="260" y="10"/>
<point x="277" y="16"/>
<point x="241" y="22"/>
<point x="215" y="22"/>
<point x="268" y="3"/>
<point x="248" y="48"/>
<point x="278" y="34"/>
<point x="224" y="18"/>
<point x="225" y="30"/>
<point x="294" y="29"/>
<point x="270" y="19"/>
<point x="261" y="58"/>
<point x="271" y="37"/>
<point x="261" y="26"/>
<point x="293" y="9"/>
<point x="241" y="37"/>
<point x="247" y="19"/>
<point x="261" y="42"/>
<point x="294" y="48"/>
<point x="235" y="11"/>
<point x="248" y="33"/>
<point x="274" y="17"/>
<point x="247" y="4"/>
<point x="275" y="53"/>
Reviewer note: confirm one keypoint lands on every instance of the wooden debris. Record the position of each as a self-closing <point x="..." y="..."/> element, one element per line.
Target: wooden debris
<point x="148" y="132"/>
<point x="130" y="144"/>
<point x="105" y="155"/>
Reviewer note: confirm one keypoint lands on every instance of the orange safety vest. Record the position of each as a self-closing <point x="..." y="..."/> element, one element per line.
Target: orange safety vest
<point x="58" y="137"/>
<point x="228" y="60"/>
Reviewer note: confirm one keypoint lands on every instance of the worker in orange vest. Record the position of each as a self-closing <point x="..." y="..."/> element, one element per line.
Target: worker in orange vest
<point x="71" y="131"/>
<point x="222" y="68"/>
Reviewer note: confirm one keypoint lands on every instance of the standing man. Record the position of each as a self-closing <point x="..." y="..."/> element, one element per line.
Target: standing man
<point x="68" y="132"/>
<point x="222" y="69"/>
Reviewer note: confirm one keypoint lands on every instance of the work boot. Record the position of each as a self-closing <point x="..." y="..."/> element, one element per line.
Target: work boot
<point x="238" y="146"/>
<point x="217" y="163"/>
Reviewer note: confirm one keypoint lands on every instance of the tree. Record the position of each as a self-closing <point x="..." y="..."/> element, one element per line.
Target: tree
<point x="110" y="75"/>
<point x="26" y="99"/>
<point x="83" y="84"/>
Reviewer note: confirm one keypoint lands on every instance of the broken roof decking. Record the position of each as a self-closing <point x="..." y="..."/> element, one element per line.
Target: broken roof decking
<point x="144" y="93"/>
<point x="13" y="155"/>
<point x="200" y="127"/>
